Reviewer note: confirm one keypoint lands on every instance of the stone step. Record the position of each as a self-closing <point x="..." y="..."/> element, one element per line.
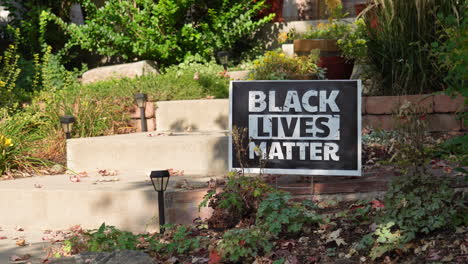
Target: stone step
<point x="127" y="201"/>
<point x="196" y="153"/>
<point x="193" y="115"/>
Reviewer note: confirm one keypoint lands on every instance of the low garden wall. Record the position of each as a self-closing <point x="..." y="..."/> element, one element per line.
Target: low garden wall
<point x="441" y="111"/>
<point x="376" y="112"/>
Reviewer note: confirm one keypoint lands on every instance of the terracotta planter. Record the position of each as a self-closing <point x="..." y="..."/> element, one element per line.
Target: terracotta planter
<point x="330" y="56"/>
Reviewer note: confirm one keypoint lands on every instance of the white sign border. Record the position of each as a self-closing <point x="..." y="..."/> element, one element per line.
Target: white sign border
<point x="310" y="172"/>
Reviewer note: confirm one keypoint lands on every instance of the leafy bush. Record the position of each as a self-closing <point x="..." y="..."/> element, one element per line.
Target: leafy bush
<point x="244" y="244"/>
<point x="353" y="44"/>
<point x="238" y="201"/>
<point x="180" y="241"/>
<point x="9" y="72"/>
<point x="278" y="214"/>
<point x="167" y="31"/>
<point x="18" y="138"/>
<point x="275" y="65"/>
<point x="399" y="45"/>
<point x="450" y="50"/>
<point x="334" y="30"/>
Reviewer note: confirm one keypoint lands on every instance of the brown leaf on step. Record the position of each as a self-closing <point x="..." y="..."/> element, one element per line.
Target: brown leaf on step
<point x="19" y="258"/>
<point x="21" y="242"/>
<point x="3" y="237"/>
<point x="173" y="172"/>
<point x="83" y="174"/>
<point x="107" y="172"/>
<point x="75" y="178"/>
<point x="76" y="228"/>
<point x="210" y="97"/>
<point x="19" y="228"/>
<point x="37" y="185"/>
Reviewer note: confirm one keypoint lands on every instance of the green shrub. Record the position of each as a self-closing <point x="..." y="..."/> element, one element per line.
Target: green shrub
<point x="9" y="72"/>
<point x="353" y="44"/>
<point x="180" y="241"/>
<point x="450" y="50"/>
<point x="400" y="34"/>
<point x="275" y="65"/>
<point x="278" y="214"/>
<point x="244" y="244"/>
<point x="18" y="138"/>
<point x="167" y="31"/>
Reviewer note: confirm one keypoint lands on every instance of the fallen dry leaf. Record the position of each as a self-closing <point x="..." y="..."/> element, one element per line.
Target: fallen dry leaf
<point x="83" y="174"/>
<point x="107" y="172"/>
<point x="19" y="258"/>
<point x="37" y="185"/>
<point x="21" y="242"/>
<point x="377" y="204"/>
<point x="19" y="228"/>
<point x="3" y="237"/>
<point x="215" y="258"/>
<point x="75" y="178"/>
<point x="173" y="172"/>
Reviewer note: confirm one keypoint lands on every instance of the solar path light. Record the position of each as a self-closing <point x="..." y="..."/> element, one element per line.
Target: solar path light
<point x="160" y="179"/>
<point x="141" y="99"/>
<point x="67" y="122"/>
<point x="223" y="57"/>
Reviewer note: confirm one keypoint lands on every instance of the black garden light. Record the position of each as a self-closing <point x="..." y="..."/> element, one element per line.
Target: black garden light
<point x="67" y="122"/>
<point x="160" y="179"/>
<point x="223" y="57"/>
<point x="141" y="99"/>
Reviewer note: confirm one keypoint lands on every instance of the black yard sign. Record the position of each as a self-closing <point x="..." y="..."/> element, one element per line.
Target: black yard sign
<point x="298" y="127"/>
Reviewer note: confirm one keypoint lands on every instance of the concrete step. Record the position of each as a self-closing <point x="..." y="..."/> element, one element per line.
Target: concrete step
<point x="196" y="153"/>
<point x="192" y="115"/>
<point x="127" y="201"/>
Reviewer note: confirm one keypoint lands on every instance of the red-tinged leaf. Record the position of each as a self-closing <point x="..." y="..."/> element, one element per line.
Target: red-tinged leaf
<point x="448" y="170"/>
<point x="215" y="258"/>
<point x="3" y="237"/>
<point x="37" y="185"/>
<point x="377" y="204"/>
<point x="354" y="207"/>
<point x="76" y="228"/>
<point x="312" y="259"/>
<point x="83" y="174"/>
<point x="75" y="178"/>
<point x="45" y="261"/>
<point x="242" y="243"/>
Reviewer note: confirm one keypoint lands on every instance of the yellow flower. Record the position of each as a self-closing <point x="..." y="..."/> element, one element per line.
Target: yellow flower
<point x="282" y="37"/>
<point x="8" y="142"/>
<point x="2" y="84"/>
<point x="5" y="141"/>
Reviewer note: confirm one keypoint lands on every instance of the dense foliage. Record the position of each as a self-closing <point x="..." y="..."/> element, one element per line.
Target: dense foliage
<point x="167" y="31"/>
<point x="400" y="36"/>
<point x="275" y="65"/>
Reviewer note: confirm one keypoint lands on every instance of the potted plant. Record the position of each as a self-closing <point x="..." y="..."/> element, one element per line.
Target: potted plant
<point x="324" y="37"/>
<point x="275" y="65"/>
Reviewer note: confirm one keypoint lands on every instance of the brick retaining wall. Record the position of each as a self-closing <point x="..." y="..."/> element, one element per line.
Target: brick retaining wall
<point x="442" y="111"/>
